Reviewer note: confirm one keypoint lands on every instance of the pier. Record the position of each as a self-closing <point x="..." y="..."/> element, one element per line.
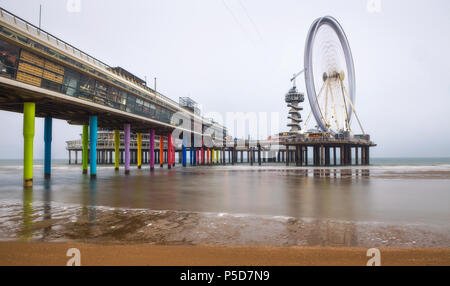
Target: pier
<point x="291" y="150"/>
<point x="127" y="122"/>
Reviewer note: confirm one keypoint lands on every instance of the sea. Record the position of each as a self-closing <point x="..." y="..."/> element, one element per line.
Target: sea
<point x="394" y="202"/>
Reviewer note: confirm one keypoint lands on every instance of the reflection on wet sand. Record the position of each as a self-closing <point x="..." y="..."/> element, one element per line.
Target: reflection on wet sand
<point x="47" y="206"/>
<point x="27" y="214"/>
<point x="126" y="226"/>
<point x="285" y="206"/>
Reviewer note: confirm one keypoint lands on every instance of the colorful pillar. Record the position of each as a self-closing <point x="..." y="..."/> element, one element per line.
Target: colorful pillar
<point x="207" y="156"/>
<point x="190" y="156"/>
<point x="48" y="147"/>
<point x="173" y="155"/>
<point x="202" y="154"/>
<point x="29" y="109"/>
<point x="184" y="150"/>
<point x="85" y="152"/>
<point x="116" y="149"/>
<point x="161" y="151"/>
<point x="139" y="150"/>
<point x="169" y="150"/>
<point x="213" y="156"/>
<point x="127" y="131"/>
<point x="152" y="150"/>
<point x="93" y="145"/>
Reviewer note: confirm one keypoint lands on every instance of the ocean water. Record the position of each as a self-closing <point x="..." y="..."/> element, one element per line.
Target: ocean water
<point x="394" y="202"/>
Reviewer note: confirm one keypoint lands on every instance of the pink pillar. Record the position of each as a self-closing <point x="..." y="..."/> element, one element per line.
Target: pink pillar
<point x="152" y="150"/>
<point x="169" y="150"/>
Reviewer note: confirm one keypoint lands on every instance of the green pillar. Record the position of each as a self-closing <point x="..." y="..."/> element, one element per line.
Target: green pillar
<point x="85" y="148"/>
<point x="116" y="148"/>
<point x="29" y="109"/>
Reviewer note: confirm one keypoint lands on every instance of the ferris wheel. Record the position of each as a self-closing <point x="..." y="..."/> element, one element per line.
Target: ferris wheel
<point x="329" y="76"/>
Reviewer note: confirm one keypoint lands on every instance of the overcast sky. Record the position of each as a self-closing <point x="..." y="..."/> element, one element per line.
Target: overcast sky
<point x="238" y="55"/>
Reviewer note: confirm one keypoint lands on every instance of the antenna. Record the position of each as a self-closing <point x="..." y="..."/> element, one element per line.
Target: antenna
<point x="40" y="12"/>
<point x="296" y="75"/>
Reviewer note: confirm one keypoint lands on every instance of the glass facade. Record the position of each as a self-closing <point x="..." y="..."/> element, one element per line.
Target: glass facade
<point x="78" y="79"/>
<point x="24" y="66"/>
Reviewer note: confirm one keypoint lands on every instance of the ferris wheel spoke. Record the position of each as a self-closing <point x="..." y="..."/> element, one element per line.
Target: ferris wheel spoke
<point x="353" y="107"/>
<point x="317" y="98"/>
<point x="310" y="112"/>
<point x="326" y="107"/>
<point x="347" y="120"/>
<point x="334" y="108"/>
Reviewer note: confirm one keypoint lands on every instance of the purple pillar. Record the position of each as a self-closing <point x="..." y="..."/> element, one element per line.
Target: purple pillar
<point x="152" y="150"/>
<point x="127" y="148"/>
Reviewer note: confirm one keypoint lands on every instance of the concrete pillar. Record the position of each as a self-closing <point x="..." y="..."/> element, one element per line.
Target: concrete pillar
<point x="48" y="147"/>
<point x="302" y="157"/>
<point x="334" y="155"/>
<point x="287" y="155"/>
<point x="93" y="145"/>
<point x="259" y="155"/>
<point x="173" y="155"/>
<point x="29" y="109"/>
<point x="306" y="156"/>
<point x="127" y="131"/>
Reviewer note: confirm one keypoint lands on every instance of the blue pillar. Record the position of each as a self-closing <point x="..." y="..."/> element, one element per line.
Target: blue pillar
<point x="195" y="156"/>
<point x="190" y="156"/>
<point x="47" y="147"/>
<point x="184" y="150"/>
<point x="93" y="145"/>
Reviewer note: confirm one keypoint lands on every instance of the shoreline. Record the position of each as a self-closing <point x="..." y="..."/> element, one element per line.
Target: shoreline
<point x="54" y="254"/>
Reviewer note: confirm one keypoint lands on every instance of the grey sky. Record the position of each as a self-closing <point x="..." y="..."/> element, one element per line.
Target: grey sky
<point x="239" y="56"/>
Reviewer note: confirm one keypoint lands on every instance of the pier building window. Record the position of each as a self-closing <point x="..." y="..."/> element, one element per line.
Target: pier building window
<point x="123" y="100"/>
<point x="86" y="87"/>
<point x="70" y="83"/>
<point x="139" y="105"/>
<point x="101" y="91"/>
<point x="131" y="102"/>
<point x="8" y="59"/>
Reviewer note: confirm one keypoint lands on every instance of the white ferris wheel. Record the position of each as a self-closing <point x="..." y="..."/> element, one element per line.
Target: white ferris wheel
<point x="329" y="77"/>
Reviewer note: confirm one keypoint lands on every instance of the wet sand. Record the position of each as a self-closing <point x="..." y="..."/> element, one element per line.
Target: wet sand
<point x="54" y="254"/>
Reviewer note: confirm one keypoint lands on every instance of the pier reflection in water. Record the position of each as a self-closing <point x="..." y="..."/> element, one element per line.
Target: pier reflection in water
<point x="286" y="206"/>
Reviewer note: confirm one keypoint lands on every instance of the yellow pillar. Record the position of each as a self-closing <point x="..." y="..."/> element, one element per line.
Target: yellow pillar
<point x="139" y="150"/>
<point x="28" y="135"/>
<point x="213" y="156"/>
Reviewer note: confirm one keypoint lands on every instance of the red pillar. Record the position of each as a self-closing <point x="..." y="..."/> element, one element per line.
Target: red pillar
<point x="207" y="156"/>
<point x="203" y="154"/>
